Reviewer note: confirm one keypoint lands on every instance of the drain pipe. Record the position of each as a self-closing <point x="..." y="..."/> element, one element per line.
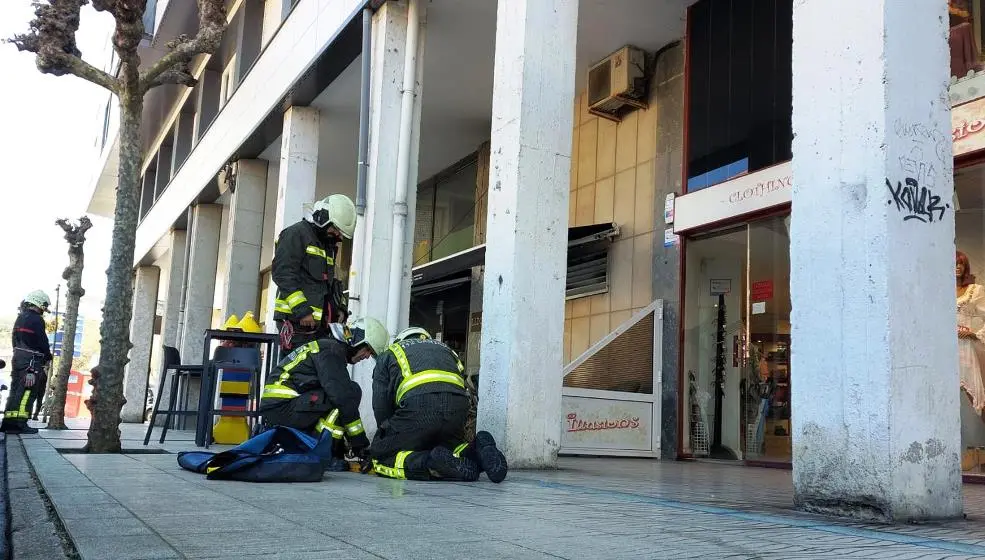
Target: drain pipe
<point x="183" y="294"/>
<point x="362" y="167"/>
<point x="393" y="303"/>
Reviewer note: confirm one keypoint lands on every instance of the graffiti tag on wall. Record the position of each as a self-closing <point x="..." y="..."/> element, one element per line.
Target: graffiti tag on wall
<point x="916" y="202"/>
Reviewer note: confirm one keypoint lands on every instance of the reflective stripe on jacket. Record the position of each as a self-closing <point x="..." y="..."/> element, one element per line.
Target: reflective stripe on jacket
<point x="303" y="269"/>
<point x="414" y="366"/>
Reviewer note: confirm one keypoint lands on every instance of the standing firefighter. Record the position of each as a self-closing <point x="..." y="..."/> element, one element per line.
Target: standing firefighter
<point x="310" y="389"/>
<point x="31" y="354"/>
<point x="421" y="408"/>
<point x="309" y="297"/>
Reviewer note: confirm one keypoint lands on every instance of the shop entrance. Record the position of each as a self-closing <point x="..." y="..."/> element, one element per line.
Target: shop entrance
<point x="736" y="347"/>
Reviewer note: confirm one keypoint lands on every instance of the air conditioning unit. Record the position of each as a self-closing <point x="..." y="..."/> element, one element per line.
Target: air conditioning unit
<point x="617" y="84"/>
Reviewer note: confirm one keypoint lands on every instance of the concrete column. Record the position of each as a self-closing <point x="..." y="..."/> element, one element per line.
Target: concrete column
<point x="296" y="179"/>
<point x="172" y="308"/>
<point x="200" y="288"/>
<point x="141" y="336"/>
<point x="245" y="236"/>
<point x="876" y="430"/>
<point x="389" y="47"/>
<point x="526" y="230"/>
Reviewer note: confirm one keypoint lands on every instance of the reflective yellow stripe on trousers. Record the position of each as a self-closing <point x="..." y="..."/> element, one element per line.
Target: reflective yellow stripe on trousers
<point x="21" y="411"/>
<point x="397" y="470"/>
<point x="412" y="380"/>
<point x="328" y="423"/>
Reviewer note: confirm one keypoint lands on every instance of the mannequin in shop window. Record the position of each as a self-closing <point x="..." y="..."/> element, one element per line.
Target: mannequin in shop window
<point x="971" y="351"/>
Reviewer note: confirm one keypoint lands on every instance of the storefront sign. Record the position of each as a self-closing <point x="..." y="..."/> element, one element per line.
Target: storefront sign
<point x="590" y="423"/>
<point x="721" y="286"/>
<point x="762" y="290"/>
<point x="968" y="124"/>
<point x="743" y="195"/>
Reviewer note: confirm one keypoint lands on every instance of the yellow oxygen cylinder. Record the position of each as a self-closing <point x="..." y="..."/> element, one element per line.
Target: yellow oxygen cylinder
<point x="249" y="324"/>
<point x="231" y="323"/>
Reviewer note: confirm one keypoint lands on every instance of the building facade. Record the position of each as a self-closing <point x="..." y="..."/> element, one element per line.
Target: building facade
<point x="657" y="317"/>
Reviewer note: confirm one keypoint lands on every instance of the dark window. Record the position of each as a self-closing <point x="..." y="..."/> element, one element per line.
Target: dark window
<point x="739" y="88"/>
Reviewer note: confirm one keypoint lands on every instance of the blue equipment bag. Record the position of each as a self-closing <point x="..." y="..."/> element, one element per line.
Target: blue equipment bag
<point x="280" y="454"/>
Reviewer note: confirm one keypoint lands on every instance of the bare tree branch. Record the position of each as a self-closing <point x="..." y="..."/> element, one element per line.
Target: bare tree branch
<point x="211" y="25"/>
<point x="52" y="38"/>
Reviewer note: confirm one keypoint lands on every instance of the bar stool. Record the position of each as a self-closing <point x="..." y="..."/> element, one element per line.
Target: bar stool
<point x="171" y="362"/>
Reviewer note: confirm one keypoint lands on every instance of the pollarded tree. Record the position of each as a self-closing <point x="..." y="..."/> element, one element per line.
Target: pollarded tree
<point x="75" y="235"/>
<point x="51" y="37"/>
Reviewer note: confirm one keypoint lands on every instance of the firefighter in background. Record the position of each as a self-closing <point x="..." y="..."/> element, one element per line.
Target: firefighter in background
<point x="310" y="388"/>
<point x="421" y="408"/>
<point x="31" y="355"/>
<point x="309" y="297"/>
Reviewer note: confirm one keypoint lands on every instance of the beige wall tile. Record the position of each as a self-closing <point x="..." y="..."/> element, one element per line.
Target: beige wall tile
<point x="617" y="318"/>
<point x="606" y="166"/>
<point x="585" y="214"/>
<point x="626" y="142"/>
<point x="580" y="333"/>
<point x="624" y="202"/>
<point x="567" y="341"/>
<point x="646" y="144"/>
<point x="583" y="113"/>
<point x="574" y="157"/>
<point x="621" y="275"/>
<point x="599" y="304"/>
<point x="580" y="307"/>
<point x="642" y="270"/>
<point x="604" y="197"/>
<point x="644" y="198"/>
<point x="567" y="309"/>
<point x="599" y="327"/>
<point x="572" y="208"/>
<point x="587" y="140"/>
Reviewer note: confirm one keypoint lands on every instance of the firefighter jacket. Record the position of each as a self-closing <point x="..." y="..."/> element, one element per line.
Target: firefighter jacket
<point x="320" y="365"/>
<point x="304" y="271"/>
<point x="413" y="367"/>
<point x="30" y="341"/>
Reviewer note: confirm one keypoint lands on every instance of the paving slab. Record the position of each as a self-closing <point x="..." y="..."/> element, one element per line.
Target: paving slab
<point x="589" y="508"/>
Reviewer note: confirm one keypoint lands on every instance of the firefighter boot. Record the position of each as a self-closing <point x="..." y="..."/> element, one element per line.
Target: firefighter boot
<point x="491" y="459"/>
<point x="443" y="462"/>
<point x="17" y="427"/>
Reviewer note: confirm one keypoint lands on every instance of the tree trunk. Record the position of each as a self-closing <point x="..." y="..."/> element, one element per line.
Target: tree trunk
<point x="107" y="377"/>
<point x="73" y="277"/>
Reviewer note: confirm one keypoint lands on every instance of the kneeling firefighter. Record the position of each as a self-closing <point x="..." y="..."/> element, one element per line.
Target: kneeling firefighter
<point x="310" y="389"/>
<point x="421" y="408"/>
<point x="31" y="354"/>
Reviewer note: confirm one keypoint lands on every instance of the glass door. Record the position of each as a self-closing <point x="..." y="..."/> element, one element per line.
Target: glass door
<point x="736" y="343"/>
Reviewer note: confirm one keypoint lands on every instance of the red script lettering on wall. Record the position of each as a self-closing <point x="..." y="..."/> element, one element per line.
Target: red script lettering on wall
<point x="576" y="424"/>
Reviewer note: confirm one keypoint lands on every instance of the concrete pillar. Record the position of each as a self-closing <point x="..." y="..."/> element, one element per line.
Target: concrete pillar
<point x="172" y="307"/>
<point x="297" y="174"/>
<point x="244" y="238"/>
<point x="389" y="47"/>
<point x="141" y="336"/>
<point x="526" y="230"/>
<point x="200" y="279"/>
<point x="876" y="429"/>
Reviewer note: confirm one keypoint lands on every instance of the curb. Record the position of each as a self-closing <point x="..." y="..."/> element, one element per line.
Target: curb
<point x="5" y="499"/>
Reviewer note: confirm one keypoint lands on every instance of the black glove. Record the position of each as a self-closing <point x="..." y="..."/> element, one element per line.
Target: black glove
<point x="365" y="466"/>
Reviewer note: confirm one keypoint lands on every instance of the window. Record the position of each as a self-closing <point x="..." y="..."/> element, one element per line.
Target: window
<point x="739" y="88"/>
<point x="965" y="37"/>
<point x="227" y="84"/>
<point x="445" y="216"/>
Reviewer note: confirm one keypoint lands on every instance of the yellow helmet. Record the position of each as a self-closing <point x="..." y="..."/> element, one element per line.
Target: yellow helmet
<point x="249" y="324"/>
<point x="367" y="330"/>
<point x="411" y="332"/>
<point x="337" y="210"/>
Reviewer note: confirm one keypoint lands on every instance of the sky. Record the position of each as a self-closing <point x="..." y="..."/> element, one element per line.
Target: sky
<point x="48" y="158"/>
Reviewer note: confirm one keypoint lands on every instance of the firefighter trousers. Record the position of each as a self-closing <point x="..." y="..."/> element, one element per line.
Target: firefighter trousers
<point x="404" y="442"/>
<point x="19" y="399"/>
<point x="310" y="412"/>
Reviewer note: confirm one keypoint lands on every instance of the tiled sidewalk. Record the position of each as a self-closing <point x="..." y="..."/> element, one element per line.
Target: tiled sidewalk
<point x="145" y="506"/>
